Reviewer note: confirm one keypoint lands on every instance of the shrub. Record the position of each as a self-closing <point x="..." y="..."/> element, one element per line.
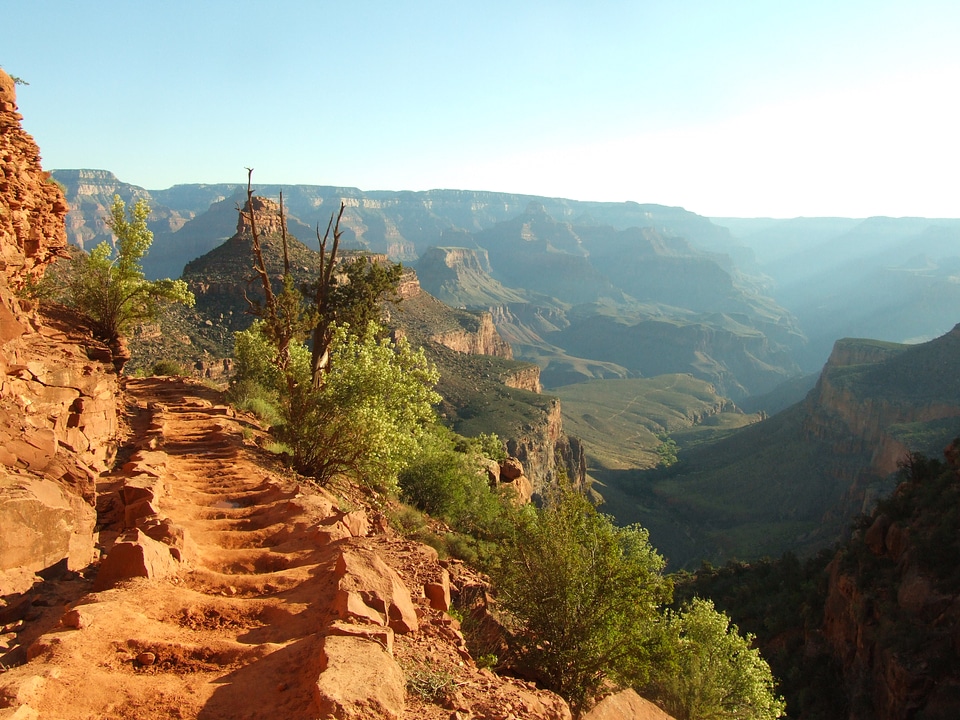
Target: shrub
<point x="714" y="673"/>
<point x="583" y="596"/>
<point x="447" y="480"/>
<point x="168" y="367"/>
<point x="367" y="418"/>
<point x="112" y="289"/>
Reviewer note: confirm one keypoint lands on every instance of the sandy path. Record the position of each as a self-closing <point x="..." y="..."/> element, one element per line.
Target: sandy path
<point x="233" y="633"/>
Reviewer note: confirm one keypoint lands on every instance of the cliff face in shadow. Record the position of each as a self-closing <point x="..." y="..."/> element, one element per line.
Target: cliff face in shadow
<point x="796" y="480"/>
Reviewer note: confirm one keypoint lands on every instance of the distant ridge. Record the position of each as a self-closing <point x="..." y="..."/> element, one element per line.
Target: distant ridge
<point x="797" y="480"/>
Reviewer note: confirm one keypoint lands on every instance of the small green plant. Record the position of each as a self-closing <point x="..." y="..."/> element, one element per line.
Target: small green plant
<point x="168" y="367"/>
<point x="278" y="448"/>
<point x="406" y="520"/>
<point x="262" y="408"/>
<point x="489" y="660"/>
<point x="430" y="684"/>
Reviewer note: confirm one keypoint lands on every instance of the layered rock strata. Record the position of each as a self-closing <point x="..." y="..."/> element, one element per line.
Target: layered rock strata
<point x="58" y="388"/>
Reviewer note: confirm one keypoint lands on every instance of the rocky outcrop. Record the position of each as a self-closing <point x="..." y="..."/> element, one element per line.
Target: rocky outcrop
<point x="862" y="400"/>
<point x="58" y="387"/>
<point x="509" y="473"/>
<point x="266" y="215"/>
<point x="524" y="378"/>
<point x="481" y="338"/>
<point x="545" y="448"/>
<point x="32" y="206"/>
<point x="461" y="277"/>
<point x="892" y="608"/>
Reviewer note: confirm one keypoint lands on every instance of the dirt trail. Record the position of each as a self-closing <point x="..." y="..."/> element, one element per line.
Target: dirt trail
<point x="237" y="628"/>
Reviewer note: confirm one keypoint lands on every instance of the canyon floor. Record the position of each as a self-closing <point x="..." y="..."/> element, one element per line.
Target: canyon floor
<point x="264" y="596"/>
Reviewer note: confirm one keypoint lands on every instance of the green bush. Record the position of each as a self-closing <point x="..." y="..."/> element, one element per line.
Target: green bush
<point x="366" y="420"/>
<point x="168" y="367"/>
<point x="447" y="480"/>
<point x="583" y="596"/>
<point x="713" y="672"/>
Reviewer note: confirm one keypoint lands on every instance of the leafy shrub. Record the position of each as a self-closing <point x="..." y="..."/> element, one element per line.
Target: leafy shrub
<point x="446" y="480"/>
<point x="584" y="597"/>
<point x="168" y="367"/>
<point x="367" y="418"/>
<point x="713" y="672"/>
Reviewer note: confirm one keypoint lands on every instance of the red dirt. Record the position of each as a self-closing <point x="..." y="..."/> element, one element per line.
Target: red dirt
<point x="237" y="630"/>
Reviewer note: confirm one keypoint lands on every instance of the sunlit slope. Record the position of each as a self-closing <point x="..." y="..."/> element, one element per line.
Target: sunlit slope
<point x="622" y="422"/>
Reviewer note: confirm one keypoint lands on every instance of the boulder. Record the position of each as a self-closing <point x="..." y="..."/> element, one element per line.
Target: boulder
<point x="438" y="593"/>
<point x="363" y="576"/>
<point x="492" y="468"/>
<point x="510" y="469"/>
<point x="135" y="555"/>
<point x="381" y="635"/>
<point x="42" y="524"/>
<point x="175" y="537"/>
<point x="359" y="680"/>
<point x="626" y="705"/>
<point x="356" y="522"/>
<point x="140" y="509"/>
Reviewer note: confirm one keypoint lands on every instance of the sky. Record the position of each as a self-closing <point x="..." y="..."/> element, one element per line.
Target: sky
<point x="728" y="108"/>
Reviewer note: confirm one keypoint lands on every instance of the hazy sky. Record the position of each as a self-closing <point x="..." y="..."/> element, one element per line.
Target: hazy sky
<point x="725" y="107"/>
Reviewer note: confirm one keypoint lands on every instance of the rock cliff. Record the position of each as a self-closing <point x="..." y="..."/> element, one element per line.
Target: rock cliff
<point x="863" y="407"/>
<point x="90" y="193"/>
<point x="892" y="609"/>
<point x="480" y="338"/>
<point x="58" y="391"/>
<point x="32" y="210"/>
<point x="545" y="449"/>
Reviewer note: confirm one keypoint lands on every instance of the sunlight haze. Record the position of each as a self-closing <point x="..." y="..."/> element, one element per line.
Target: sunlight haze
<point x="726" y="109"/>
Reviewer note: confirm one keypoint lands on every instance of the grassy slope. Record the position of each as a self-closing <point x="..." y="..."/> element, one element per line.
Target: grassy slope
<point x="620" y="420"/>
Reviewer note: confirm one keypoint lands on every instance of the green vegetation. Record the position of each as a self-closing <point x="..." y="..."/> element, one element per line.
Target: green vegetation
<point x="713" y="672"/>
<point x="779" y="603"/>
<point x="582" y="596"/>
<point x="366" y="419"/>
<point x="167" y="367"/>
<point x="667" y="452"/>
<point x="112" y="289"/>
<point x="368" y="416"/>
<point x="624" y="422"/>
<point x="429" y="683"/>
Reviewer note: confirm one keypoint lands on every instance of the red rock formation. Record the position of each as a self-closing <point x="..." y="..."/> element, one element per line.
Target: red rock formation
<point x="891" y="619"/>
<point x="481" y="340"/>
<point x="32" y="207"/>
<point x="58" y="389"/>
<point x="545" y="447"/>
<point x="527" y="378"/>
<point x="266" y="214"/>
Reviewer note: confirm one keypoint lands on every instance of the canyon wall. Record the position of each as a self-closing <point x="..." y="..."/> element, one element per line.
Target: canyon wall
<point x="861" y="420"/>
<point x="58" y="389"/>
<point x="892" y="608"/>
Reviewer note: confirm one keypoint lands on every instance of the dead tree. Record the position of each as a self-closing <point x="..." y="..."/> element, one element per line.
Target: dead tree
<point x="320" y="355"/>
